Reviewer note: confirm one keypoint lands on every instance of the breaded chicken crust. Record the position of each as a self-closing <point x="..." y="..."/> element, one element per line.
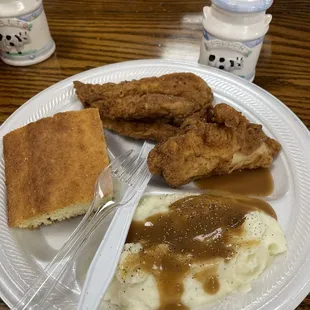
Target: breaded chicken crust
<point x="141" y="130"/>
<point x="170" y="98"/>
<point x="217" y="141"/>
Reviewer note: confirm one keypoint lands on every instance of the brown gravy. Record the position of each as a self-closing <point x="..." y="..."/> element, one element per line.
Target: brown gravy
<point x="196" y="228"/>
<point x="207" y="277"/>
<point x="254" y="182"/>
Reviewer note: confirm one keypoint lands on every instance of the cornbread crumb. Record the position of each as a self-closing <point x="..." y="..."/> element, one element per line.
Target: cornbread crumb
<point x="51" y="167"/>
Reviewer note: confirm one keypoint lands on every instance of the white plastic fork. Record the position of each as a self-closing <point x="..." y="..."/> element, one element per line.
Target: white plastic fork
<point x="127" y="173"/>
<point x="104" y="264"/>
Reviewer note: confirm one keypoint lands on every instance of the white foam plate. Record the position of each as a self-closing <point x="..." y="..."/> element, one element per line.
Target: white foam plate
<point x="23" y="253"/>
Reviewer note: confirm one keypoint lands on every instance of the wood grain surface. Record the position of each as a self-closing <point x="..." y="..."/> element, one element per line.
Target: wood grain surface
<point x="94" y="33"/>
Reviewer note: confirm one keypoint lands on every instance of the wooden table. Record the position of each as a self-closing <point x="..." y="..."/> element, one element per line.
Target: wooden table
<point x="94" y="33"/>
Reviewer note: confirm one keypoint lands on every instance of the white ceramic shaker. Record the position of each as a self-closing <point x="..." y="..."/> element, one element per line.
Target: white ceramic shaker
<point x="25" y="38"/>
<point x="233" y="34"/>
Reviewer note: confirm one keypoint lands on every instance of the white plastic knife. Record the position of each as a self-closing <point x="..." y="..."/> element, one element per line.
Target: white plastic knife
<point x="104" y="264"/>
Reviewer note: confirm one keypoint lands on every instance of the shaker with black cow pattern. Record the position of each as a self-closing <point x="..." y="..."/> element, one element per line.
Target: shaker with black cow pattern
<point x="233" y="34"/>
<point x="14" y="41"/>
<point x="25" y="38"/>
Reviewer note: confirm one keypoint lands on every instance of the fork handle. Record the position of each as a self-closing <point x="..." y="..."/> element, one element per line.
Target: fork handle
<point x="50" y="276"/>
<point x="98" y="276"/>
<point x="91" y="227"/>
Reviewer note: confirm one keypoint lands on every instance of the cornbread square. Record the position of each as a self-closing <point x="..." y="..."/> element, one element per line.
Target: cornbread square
<point x="51" y="167"/>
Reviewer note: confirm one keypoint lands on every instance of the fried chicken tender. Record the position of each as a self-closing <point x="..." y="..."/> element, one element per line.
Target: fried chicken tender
<point x="171" y="98"/>
<point x="141" y="130"/>
<point x="217" y="141"/>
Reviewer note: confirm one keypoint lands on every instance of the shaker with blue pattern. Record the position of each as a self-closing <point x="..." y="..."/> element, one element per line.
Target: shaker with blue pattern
<point x="233" y="34"/>
<point x="25" y="38"/>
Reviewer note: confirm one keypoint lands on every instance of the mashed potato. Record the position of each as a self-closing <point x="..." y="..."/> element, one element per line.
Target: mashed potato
<point x="134" y="288"/>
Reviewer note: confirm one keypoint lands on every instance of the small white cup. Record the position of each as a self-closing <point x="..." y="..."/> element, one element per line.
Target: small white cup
<point x="25" y="38"/>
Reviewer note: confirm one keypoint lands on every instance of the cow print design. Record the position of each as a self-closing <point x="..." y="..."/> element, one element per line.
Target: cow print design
<point x="18" y="38"/>
<point x="211" y="57"/>
<point x="227" y="64"/>
<point x="17" y="41"/>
